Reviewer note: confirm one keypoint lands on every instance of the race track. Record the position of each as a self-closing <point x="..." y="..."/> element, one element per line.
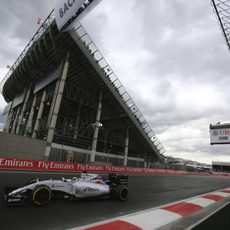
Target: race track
<point x="146" y="191"/>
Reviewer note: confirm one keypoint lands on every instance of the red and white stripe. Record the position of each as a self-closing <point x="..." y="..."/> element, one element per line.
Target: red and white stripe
<point x="158" y="217"/>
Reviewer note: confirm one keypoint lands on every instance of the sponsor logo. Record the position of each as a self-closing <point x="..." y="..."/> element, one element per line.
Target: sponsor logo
<point x="88" y="189"/>
<point x="52" y="165"/>
<point x="15" y="163"/>
<point x="14" y="200"/>
<point x="223" y="138"/>
<point x="67" y="5"/>
<point x="58" y="186"/>
<point x="221" y="132"/>
<point x="215" y="133"/>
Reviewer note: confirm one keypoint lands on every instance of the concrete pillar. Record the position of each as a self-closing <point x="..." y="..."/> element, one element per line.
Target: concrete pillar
<point x="96" y="129"/>
<point x="30" y="118"/>
<point x="23" y="111"/>
<point x="77" y="121"/>
<point x="39" y="115"/>
<point x="126" y="147"/>
<point x="52" y="103"/>
<point x="9" y="119"/>
<point x="56" y="108"/>
<point x="145" y="161"/>
<point x="15" y="120"/>
<point x="149" y="162"/>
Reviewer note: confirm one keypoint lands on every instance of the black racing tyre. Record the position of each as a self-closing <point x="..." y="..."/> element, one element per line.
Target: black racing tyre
<point x="120" y="192"/>
<point x="41" y="195"/>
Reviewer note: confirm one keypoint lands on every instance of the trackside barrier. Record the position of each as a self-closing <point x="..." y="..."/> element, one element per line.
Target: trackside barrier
<point x="51" y="166"/>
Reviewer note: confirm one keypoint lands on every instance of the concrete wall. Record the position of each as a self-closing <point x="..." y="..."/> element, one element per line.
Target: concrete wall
<point x="21" y="147"/>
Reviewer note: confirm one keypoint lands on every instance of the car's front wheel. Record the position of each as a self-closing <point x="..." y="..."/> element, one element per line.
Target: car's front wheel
<point x="41" y="195"/>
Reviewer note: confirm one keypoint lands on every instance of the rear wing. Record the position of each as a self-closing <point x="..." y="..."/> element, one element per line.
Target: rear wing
<point x="118" y="179"/>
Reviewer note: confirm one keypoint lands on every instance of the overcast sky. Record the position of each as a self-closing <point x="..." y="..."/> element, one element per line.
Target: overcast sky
<point x="169" y="54"/>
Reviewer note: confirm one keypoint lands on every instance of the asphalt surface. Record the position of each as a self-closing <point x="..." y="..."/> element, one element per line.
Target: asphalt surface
<point x="146" y="191"/>
<point x="219" y="220"/>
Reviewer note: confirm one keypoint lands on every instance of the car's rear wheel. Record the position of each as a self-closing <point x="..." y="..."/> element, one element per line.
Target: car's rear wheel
<point x="41" y="195"/>
<point x="121" y="192"/>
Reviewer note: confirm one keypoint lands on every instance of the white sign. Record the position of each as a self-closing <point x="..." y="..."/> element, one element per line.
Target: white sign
<point x="219" y="136"/>
<point x="65" y="9"/>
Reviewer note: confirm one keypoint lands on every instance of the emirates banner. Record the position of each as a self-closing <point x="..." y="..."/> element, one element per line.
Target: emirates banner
<point x="25" y="164"/>
<point x="51" y="166"/>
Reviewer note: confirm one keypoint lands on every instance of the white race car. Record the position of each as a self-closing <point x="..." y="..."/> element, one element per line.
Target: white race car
<point x="86" y="186"/>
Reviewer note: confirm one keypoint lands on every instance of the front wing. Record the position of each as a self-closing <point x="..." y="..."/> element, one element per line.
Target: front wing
<point x="20" y="199"/>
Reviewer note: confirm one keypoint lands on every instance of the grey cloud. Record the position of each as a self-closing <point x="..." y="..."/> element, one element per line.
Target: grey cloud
<point x="18" y="22"/>
<point x="181" y="53"/>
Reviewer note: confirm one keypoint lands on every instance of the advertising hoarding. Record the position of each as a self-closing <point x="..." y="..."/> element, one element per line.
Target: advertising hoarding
<point x="219" y="134"/>
<point x="66" y="10"/>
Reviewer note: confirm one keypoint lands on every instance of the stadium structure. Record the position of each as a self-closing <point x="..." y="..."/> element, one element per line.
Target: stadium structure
<point x="222" y="11"/>
<point x="64" y="98"/>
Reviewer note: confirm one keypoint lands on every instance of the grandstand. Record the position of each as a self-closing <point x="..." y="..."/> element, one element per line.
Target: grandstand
<point x="61" y="91"/>
<point x="219" y="166"/>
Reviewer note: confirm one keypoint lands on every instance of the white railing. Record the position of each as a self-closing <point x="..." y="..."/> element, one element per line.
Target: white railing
<point x="109" y="74"/>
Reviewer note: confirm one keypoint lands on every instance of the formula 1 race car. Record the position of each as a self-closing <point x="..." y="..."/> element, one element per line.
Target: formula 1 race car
<point x="86" y="186"/>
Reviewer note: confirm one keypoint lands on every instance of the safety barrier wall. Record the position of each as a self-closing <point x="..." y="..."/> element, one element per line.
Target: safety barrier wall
<point x="51" y="166"/>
